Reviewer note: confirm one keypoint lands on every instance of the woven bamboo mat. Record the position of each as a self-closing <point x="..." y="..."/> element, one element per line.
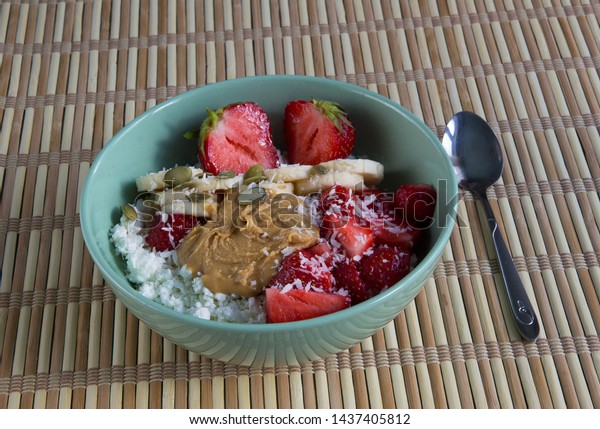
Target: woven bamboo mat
<point x="73" y="73"/>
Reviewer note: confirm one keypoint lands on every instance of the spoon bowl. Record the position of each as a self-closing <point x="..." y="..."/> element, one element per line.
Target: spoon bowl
<point x="474" y="150"/>
<point x="477" y="159"/>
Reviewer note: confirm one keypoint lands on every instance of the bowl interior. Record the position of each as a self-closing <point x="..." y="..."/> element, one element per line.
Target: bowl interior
<point x="386" y="132"/>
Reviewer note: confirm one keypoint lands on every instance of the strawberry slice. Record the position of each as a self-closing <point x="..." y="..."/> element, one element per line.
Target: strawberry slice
<point x="301" y="268"/>
<point x="374" y="203"/>
<point x="403" y="235"/>
<point x="347" y="277"/>
<point x="324" y="250"/>
<point x="354" y="238"/>
<point x="375" y="209"/>
<point x="235" y="138"/>
<point x="300" y="304"/>
<point x="168" y="230"/>
<point x="337" y="199"/>
<point x="317" y="131"/>
<point x="416" y="204"/>
<point x="384" y="267"/>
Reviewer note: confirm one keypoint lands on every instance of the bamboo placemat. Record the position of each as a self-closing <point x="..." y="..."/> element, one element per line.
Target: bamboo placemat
<point x="72" y="73"/>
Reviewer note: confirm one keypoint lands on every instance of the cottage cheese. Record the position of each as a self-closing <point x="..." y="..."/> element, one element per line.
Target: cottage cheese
<point x="157" y="276"/>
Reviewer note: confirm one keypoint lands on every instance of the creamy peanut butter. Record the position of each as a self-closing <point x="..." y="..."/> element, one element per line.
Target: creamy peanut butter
<point x="240" y="249"/>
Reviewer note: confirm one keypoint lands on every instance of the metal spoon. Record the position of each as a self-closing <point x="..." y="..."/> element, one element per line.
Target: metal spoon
<point x="477" y="158"/>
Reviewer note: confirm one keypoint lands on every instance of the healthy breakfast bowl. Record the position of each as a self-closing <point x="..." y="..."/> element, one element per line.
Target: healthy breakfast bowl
<point x="385" y="133"/>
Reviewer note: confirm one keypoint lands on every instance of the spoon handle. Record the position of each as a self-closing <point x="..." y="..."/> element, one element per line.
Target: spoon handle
<point x="520" y="305"/>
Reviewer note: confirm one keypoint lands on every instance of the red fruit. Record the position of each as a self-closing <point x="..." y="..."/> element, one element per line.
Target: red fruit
<point x="403" y="235"/>
<point x="168" y="232"/>
<point x="374" y="203"/>
<point x="300" y="304"/>
<point x="347" y="277"/>
<point x="416" y="203"/>
<point x="304" y="266"/>
<point x="324" y="250"/>
<point x="317" y="131"/>
<point x="384" y="267"/>
<point x="354" y="238"/>
<point x="236" y="137"/>
<point x="336" y="199"/>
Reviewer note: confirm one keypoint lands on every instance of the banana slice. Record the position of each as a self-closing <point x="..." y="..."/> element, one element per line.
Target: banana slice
<point x="151" y="182"/>
<point x="213" y="183"/>
<point x="174" y="202"/>
<point x="206" y="209"/>
<point x="317" y="183"/>
<point x="156" y="182"/>
<point x="288" y="173"/>
<point x="372" y="171"/>
<point x="277" y="188"/>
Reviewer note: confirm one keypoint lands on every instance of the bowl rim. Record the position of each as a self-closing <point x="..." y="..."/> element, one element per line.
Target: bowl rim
<point x="115" y="281"/>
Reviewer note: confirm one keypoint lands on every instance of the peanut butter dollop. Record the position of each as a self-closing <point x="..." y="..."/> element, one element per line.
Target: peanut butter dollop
<point x="240" y="249"/>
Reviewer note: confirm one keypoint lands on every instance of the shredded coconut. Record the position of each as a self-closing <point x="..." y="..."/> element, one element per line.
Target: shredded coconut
<point x="157" y="277"/>
<point x="286" y="251"/>
<point x="288" y="287"/>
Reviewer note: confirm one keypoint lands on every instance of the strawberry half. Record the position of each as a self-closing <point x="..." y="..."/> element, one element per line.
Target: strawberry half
<point x="336" y="200"/>
<point x="324" y="250"/>
<point x="300" y="305"/>
<point x="354" y="238"/>
<point x="416" y="204"/>
<point x="317" y="131"/>
<point x="235" y="138"/>
<point x="169" y="230"/>
<point x="347" y="277"/>
<point x="374" y="203"/>
<point x="384" y="267"/>
<point x="301" y="268"/>
<point x="403" y="235"/>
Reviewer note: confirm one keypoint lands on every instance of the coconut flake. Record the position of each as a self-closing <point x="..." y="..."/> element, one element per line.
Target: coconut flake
<point x="288" y="287"/>
<point x="286" y="251"/>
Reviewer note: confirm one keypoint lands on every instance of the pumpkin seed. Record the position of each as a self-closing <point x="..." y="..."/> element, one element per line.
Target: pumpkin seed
<point x="319" y="169"/>
<point x="226" y="174"/>
<point x="178" y="175"/>
<point x="251" y="195"/>
<point x="255" y="170"/>
<point x="254" y="174"/>
<point x="129" y="211"/>
<point x="252" y="179"/>
<point x="185" y="185"/>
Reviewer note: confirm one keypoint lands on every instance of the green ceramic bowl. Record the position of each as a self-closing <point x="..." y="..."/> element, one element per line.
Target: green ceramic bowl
<point x="386" y="132"/>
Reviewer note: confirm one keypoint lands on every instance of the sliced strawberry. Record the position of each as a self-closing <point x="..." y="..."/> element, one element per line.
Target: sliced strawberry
<point x="236" y="137"/>
<point x="337" y="195"/>
<point x="347" y="277"/>
<point x="300" y="305"/>
<point x="384" y="267"/>
<point x="324" y="250"/>
<point x="301" y="268"/>
<point x="374" y="203"/>
<point x="329" y="224"/>
<point x="403" y="235"/>
<point x="354" y="238"/>
<point x="169" y="230"/>
<point x="317" y="131"/>
<point x="416" y="204"/>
